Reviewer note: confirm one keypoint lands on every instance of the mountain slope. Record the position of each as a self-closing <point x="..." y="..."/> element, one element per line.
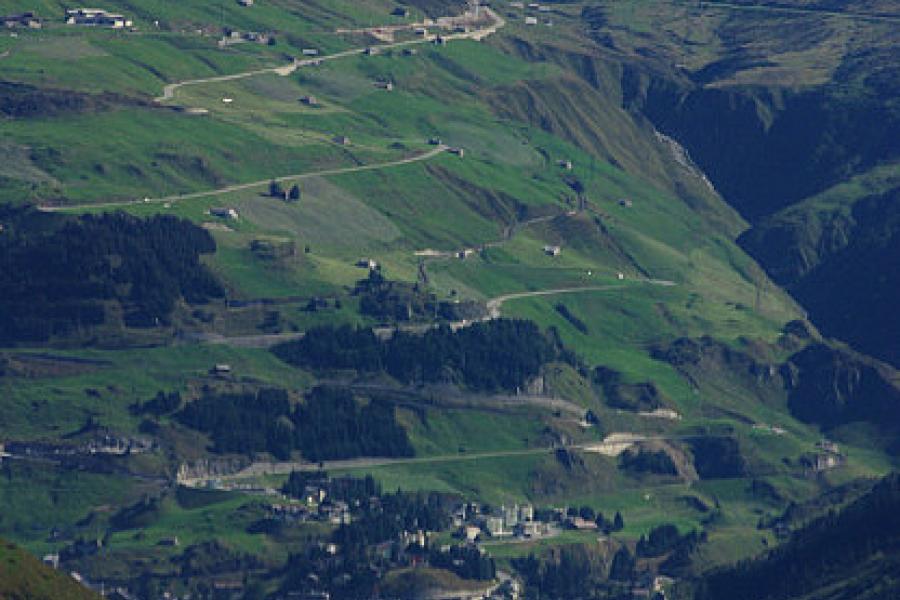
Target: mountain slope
<point x="852" y="554"/>
<point x="23" y="577"/>
<point x="792" y="111"/>
<point x="838" y="258"/>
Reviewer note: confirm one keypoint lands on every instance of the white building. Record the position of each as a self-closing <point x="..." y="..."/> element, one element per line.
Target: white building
<point x="96" y="17"/>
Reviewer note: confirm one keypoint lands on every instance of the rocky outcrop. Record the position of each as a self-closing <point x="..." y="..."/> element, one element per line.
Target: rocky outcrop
<point x="210" y="469"/>
<point x="639" y="397"/>
<point x="705" y="362"/>
<point x="831" y="387"/>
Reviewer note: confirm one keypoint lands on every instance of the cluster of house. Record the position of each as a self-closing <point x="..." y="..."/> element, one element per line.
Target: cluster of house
<point x="519" y="521"/>
<point x="237" y="37"/>
<point x="471" y="522"/>
<point x="96" y="17"/>
<point x="509" y="521"/>
<point x="26" y="19"/>
<point x="827" y="456"/>
<point x="316" y="508"/>
<point x="106" y="443"/>
<point x="649" y="585"/>
<point x="531" y="6"/>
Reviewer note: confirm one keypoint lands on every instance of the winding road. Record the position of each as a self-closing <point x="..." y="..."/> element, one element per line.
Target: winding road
<point x="253" y="184"/>
<point x="494" y="304"/>
<point x="284" y="70"/>
<point x="612" y="445"/>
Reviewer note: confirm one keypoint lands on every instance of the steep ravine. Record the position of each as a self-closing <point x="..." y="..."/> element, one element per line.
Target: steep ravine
<point x="769" y="153"/>
<point x="765" y="149"/>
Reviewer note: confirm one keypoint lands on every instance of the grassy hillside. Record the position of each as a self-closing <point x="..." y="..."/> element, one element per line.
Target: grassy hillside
<point x="798" y="132"/>
<point x="658" y="304"/>
<point x="23" y="577"/>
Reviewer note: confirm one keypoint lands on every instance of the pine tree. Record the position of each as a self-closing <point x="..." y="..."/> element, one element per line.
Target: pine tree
<point x="622" y="568"/>
<point x="275" y="189"/>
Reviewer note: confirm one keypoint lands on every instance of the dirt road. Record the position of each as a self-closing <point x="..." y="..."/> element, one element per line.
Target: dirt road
<point x="244" y="186"/>
<point x="493" y="312"/>
<point x="494" y="304"/>
<point x="284" y="70"/>
<point x="613" y="445"/>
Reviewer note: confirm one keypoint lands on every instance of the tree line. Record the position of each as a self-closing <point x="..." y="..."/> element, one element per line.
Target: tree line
<point x="329" y="424"/>
<point x="399" y="301"/>
<point x="58" y="272"/>
<point x="496" y="355"/>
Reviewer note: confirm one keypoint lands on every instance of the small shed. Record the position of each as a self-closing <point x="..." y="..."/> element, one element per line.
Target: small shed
<point x="552" y="250"/>
<point x="223" y="213"/>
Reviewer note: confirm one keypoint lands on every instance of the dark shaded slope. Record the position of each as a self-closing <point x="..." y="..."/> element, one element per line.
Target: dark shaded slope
<point x="852" y="554"/>
<point x="832" y="387"/>
<point x="842" y="267"/>
<point x="771" y="149"/>
<point x="767" y="149"/>
<point x="60" y="274"/>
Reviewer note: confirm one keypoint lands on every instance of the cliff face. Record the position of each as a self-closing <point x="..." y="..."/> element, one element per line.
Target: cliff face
<point x="833" y="387"/>
<point x="767" y="148"/>
<point x="842" y="266"/>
